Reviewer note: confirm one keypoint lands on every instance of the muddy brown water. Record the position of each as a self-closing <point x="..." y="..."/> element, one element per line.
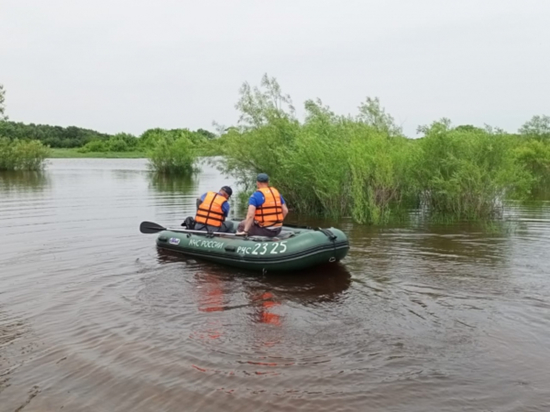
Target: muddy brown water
<point x="418" y="317"/>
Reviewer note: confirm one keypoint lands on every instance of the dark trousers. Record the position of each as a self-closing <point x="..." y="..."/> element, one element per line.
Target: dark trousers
<point x="256" y="230"/>
<point x="227" y="227"/>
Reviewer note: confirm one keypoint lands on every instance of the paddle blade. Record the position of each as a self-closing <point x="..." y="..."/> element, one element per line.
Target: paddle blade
<point x="150" y="227"/>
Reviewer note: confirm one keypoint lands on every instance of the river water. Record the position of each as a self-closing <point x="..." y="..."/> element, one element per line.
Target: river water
<point x="418" y="317"/>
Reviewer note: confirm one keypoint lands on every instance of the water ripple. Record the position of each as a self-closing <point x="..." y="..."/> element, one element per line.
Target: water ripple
<point x="417" y="318"/>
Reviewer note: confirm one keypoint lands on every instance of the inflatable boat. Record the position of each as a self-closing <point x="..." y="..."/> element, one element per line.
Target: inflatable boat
<point x="294" y="248"/>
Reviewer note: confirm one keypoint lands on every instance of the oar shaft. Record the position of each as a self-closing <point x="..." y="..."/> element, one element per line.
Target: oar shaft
<point x="152" y="227"/>
<point x="202" y="232"/>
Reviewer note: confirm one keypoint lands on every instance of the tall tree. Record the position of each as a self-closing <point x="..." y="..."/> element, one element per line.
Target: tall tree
<point x="2" y="105"/>
<point x="260" y="106"/>
<point x="538" y="126"/>
<point x="372" y="113"/>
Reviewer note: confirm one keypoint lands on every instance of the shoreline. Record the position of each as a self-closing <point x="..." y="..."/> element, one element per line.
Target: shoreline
<point x="56" y="153"/>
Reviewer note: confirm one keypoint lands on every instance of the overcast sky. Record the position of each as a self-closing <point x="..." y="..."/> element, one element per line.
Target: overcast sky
<point x="116" y="66"/>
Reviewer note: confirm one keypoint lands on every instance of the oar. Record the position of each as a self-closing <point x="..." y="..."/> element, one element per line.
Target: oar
<point x="152" y="227"/>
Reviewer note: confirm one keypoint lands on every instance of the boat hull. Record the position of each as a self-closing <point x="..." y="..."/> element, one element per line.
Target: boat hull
<point x="294" y="249"/>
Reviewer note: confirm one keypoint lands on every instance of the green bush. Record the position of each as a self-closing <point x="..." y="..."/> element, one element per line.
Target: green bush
<point x="118" y="144"/>
<point x="95" y="146"/>
<point x="468" y="173"/>
<point x="150" y="137"/>
<point x="315" y="157"/>
<point x="172" y="154"/>
<point x="121" y="142"/>
<point x="22" y="155"/>
<point x="534" y="156"/>
<point x="381" y="175"/>
<point x="330" y="165"/>
<point x="365" y="168"/>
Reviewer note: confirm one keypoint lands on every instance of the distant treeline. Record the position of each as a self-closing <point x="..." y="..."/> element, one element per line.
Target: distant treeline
<point x="169" y="151"/>
<point x="77" y="137"/>
<point x="53" y="136"/>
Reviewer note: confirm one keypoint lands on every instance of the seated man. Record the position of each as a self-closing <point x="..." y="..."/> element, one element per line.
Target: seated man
<point x="266" y="211"/>
<point x="212" y="209"/>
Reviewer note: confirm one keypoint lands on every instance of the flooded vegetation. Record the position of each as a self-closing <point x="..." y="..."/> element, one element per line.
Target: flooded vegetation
<point x="359" y="165"/>
<point x="420" y="316"/>
<point x="362" y="166"/>
<point x="22" y="154"/>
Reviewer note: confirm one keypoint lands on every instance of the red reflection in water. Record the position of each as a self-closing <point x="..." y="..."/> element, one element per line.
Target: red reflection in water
<point x="211" y="294"/>
<point x="265" y="310"/>
<point x="212" y="297"/>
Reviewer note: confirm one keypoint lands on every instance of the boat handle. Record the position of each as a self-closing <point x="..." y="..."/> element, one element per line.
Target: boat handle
<point x="328" y="233"/>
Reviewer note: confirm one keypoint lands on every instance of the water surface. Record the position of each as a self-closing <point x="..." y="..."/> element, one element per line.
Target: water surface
<point x="418" y="317"/>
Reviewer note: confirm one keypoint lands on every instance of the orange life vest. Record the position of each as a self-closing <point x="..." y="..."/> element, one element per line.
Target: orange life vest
<point x="210" y="210"/>
<point x="270" y="214"/>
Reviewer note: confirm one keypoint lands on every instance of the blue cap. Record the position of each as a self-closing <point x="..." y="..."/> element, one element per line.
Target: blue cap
<point x="262" y="177"/>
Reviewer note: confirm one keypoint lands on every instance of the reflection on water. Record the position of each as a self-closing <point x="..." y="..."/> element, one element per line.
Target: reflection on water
<point x="418" y="317"/>
<point x="314" y="285"/>
<point x="173" y="184"/>
<point x="261" y="299"/>
<point x="22" y="181"/>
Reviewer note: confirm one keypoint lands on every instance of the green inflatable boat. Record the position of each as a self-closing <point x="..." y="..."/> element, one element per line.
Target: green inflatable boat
<point x="293" y="249"/>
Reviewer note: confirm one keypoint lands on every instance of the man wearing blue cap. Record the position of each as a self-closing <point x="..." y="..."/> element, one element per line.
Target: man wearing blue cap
<point x="266" y="211"/>
<point x="212" y="209"/>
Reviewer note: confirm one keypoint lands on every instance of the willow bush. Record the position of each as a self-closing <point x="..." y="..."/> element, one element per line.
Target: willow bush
<point x="329" y="164"/>
<point x="362" y="166"/>
<point x="381" y="176"/>
<point x="468" y="173"/>
<point x="534" y="156"/>
<point x="316" y="161"/>
<point x="22" y="154"/>
<point x="172" y="153"/>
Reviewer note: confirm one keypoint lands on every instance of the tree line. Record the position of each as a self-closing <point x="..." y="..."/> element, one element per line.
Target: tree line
<point x="77" y="137"/>
<point x="361" y="166"/>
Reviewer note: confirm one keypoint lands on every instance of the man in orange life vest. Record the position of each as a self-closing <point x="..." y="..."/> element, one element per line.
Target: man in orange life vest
<point x="266" y="211"/>
<point x="212" y="209"/>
